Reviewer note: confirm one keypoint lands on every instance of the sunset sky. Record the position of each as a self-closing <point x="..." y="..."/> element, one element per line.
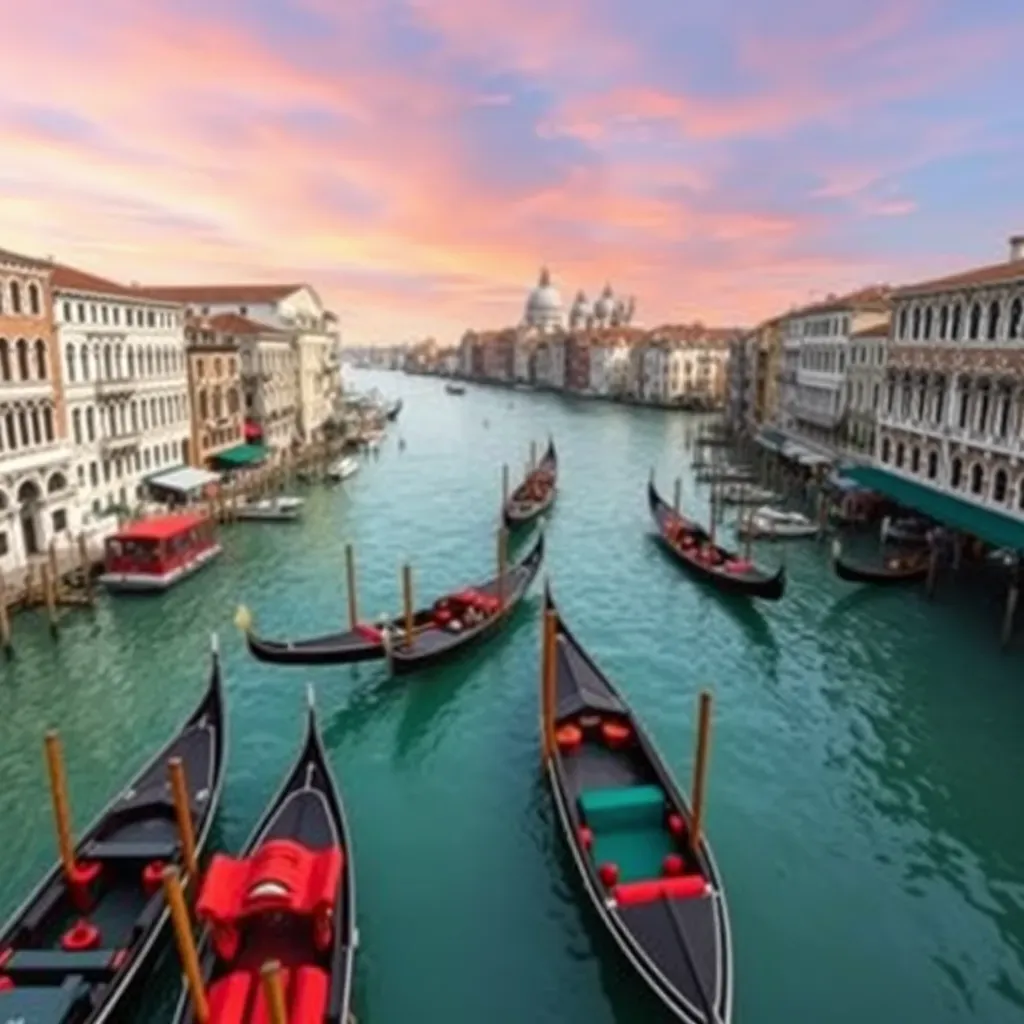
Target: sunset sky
<point x="418" y="160"/>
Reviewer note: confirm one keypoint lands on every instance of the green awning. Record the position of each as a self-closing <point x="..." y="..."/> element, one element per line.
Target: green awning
<point x="1000" y="530"/>
<point x="240" y="455"/>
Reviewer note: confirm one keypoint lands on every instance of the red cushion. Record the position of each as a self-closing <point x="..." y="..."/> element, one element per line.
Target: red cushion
<point x="310" y="989"/>
<point x="738" y="565"/>
<point x="679" y="887"/>
<point x="227" y="997"/>
<point x="370" y="633"/>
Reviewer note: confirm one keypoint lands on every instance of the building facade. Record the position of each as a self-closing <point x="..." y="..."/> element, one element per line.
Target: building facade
<point x="215" y="388"/>
<point x="126" y="382"/>
<point x="36" y="483"/>
<point x="864" y="384"/>
<point x="297" y="309"/>
<point x="952" y="409"/>
<point x="817" y="361"/>
<point x="270" y="381"/>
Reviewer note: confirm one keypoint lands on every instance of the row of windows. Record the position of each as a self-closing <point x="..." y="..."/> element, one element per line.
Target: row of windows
<point x="983" y="409"/>
<point x="972" y="480"/>
<point x="219" y="437"/>
<point x="829" y="327"/>
<point x="19" y="299"/>
<point x="157" y="457"/>
<point x="115" y="316"/>
<point x="218" y="403"/>
<point x="112" y="362"/>
<point x="218" y="367"/>
<point x="28" y="491"/>
<point x="923" y="323"/>
<point x="23" y="360"/>
<point x="26" y="427"/>
<point x="115" y="420"/>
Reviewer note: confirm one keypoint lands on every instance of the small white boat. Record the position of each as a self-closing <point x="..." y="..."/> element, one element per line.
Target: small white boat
<point x="776" y="523"/>
<point x="342" y="469"/>
<point x="272" y="510"/>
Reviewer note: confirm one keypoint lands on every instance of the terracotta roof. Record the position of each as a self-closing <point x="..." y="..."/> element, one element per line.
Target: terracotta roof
<point x="235" y="323"/>
<point x="212" y="294"/>
<point x="69" y="279"/>
<point x="878" y="331"/>
<point x="6" y="256"/>
<point x="980" y="277"/>
<point x="873" y="297"/>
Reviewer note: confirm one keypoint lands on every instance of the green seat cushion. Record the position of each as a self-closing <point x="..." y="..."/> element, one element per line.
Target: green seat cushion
<point x="622" y="807"/>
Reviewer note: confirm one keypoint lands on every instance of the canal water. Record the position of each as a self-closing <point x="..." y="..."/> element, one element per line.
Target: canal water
<point x="866" y="752"/>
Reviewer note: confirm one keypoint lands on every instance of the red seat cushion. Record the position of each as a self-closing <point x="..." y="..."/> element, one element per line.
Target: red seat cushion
<point x="310" y="989"/>
<point x="261" y="1011"/>
<point x="228" y="997"/>
<point x="679" y="887"/>
<point x="370" y="633"/>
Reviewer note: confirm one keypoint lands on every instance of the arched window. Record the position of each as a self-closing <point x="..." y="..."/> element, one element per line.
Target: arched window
<point x="149" y="362"/>
<point x="33" y="299"/>
<point x="1016" y="311"/>
<point x="943" y="322"/>
<point x="90" y="424"/>
<point x="204" y="410"/>
<point x="41" y="371"/>
<point x="900" y="452"/>
<point x="5" y="360"/>
<point x="135" y="411"/>
<point x="915" y="459"/>
<point x="917" y="324"/>
<point x="15" y="298"/>
<point x="69" y="358"/>
<point x="927" y="333"/>
<point x="999" y="486"/>
<point x="12" y="433"/>
<point x="108" y="363"/>
<point x="85" y="363"/>
<point x="956" y="473"/>
<point x="977" y="478"/>
<point x="933" y="465"/>
<point x="76" y="425"/>
<point x="37" y="427"/>
<point x="974" y="327"/>
<point x="22" y="349"/>
<point x="48" y="423"/>
<point x="902" y="332"/>
<point x="131" y="364"/>
<point x="993" y="320"/>
<point x="954" y="327"/>
<point x="119" y="362"/>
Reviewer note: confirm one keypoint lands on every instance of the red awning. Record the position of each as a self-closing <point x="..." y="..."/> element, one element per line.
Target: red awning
<point x="253" y="431"/>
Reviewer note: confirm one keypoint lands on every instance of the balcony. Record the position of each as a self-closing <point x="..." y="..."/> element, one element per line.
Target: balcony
<point x="120" y="443"/>
<point x="122" y="387"/>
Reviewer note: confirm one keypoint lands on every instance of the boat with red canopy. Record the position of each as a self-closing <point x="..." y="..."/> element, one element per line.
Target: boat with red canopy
<point x="154" y="554"/>
<point x="288" y="898"/>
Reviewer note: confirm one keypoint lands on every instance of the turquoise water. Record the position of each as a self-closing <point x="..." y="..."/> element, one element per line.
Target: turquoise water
<point x="866" y="747"/>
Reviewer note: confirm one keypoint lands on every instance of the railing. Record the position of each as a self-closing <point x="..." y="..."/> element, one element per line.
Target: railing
<point x="127" y="441"/>
<point x="114" y="388"/>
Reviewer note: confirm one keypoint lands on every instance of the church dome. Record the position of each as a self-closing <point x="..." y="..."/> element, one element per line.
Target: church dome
<point x="543" y="304"/>
<point x="604" y="308"/>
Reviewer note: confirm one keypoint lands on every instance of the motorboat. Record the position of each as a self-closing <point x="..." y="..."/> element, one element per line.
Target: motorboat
<point x="282" y="509"/>
<point x="342" y="469"/>
<point x="777" y="524"/>
<point x="455" y="389"/>
<point x="910" y="531"/>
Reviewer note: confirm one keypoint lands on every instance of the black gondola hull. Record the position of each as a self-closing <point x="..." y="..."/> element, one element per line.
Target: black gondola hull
<point x="879" y="576"/>
<point x="642" y="934"/>
<point x="753" y="583"/>
<point x="518" y="513"/>
<point x="135" y="830"/>
<point x="308" y="809"/>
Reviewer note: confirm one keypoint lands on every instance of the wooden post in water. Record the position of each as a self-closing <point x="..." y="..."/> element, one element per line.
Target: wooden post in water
<point x="1012" y="596"/>
<point x="186" y="944"/>
<point x="549" y="682"/>
<point x="50" y="598"/>
<point x="700" y="769"/>
<point x="61" y="806"/>
<point x="273" y="992"/>
<point x="533" y="455"/>
<point x="30" y="583"/>
<point x="502" y="566"/>
<point x="749" y="538"/>
<point x="677" y="495"/>
<point x="407" y="602"/>
<point x="933" y="567"/>
<point x="350" y="577"/>
<point x="54" y="567"/>
<point x="5" y="621"/>
<point x="504" y="485"/>
<point x="183" y="815"/>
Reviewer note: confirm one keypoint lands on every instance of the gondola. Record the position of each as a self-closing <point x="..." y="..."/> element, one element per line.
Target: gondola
<point x="392" y="413"/>
<point x="691" y="544"/>
<point x="905" y="568"/>
<point x="289" y="897"/>
<point x="536" y="494"/>
<point x="626" y="824"/>
<point x="73" y="952"/>
<point x="437" y="631"/>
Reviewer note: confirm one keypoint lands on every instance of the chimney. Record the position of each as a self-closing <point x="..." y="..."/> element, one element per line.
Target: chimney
<point x="1016" y="248"/>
